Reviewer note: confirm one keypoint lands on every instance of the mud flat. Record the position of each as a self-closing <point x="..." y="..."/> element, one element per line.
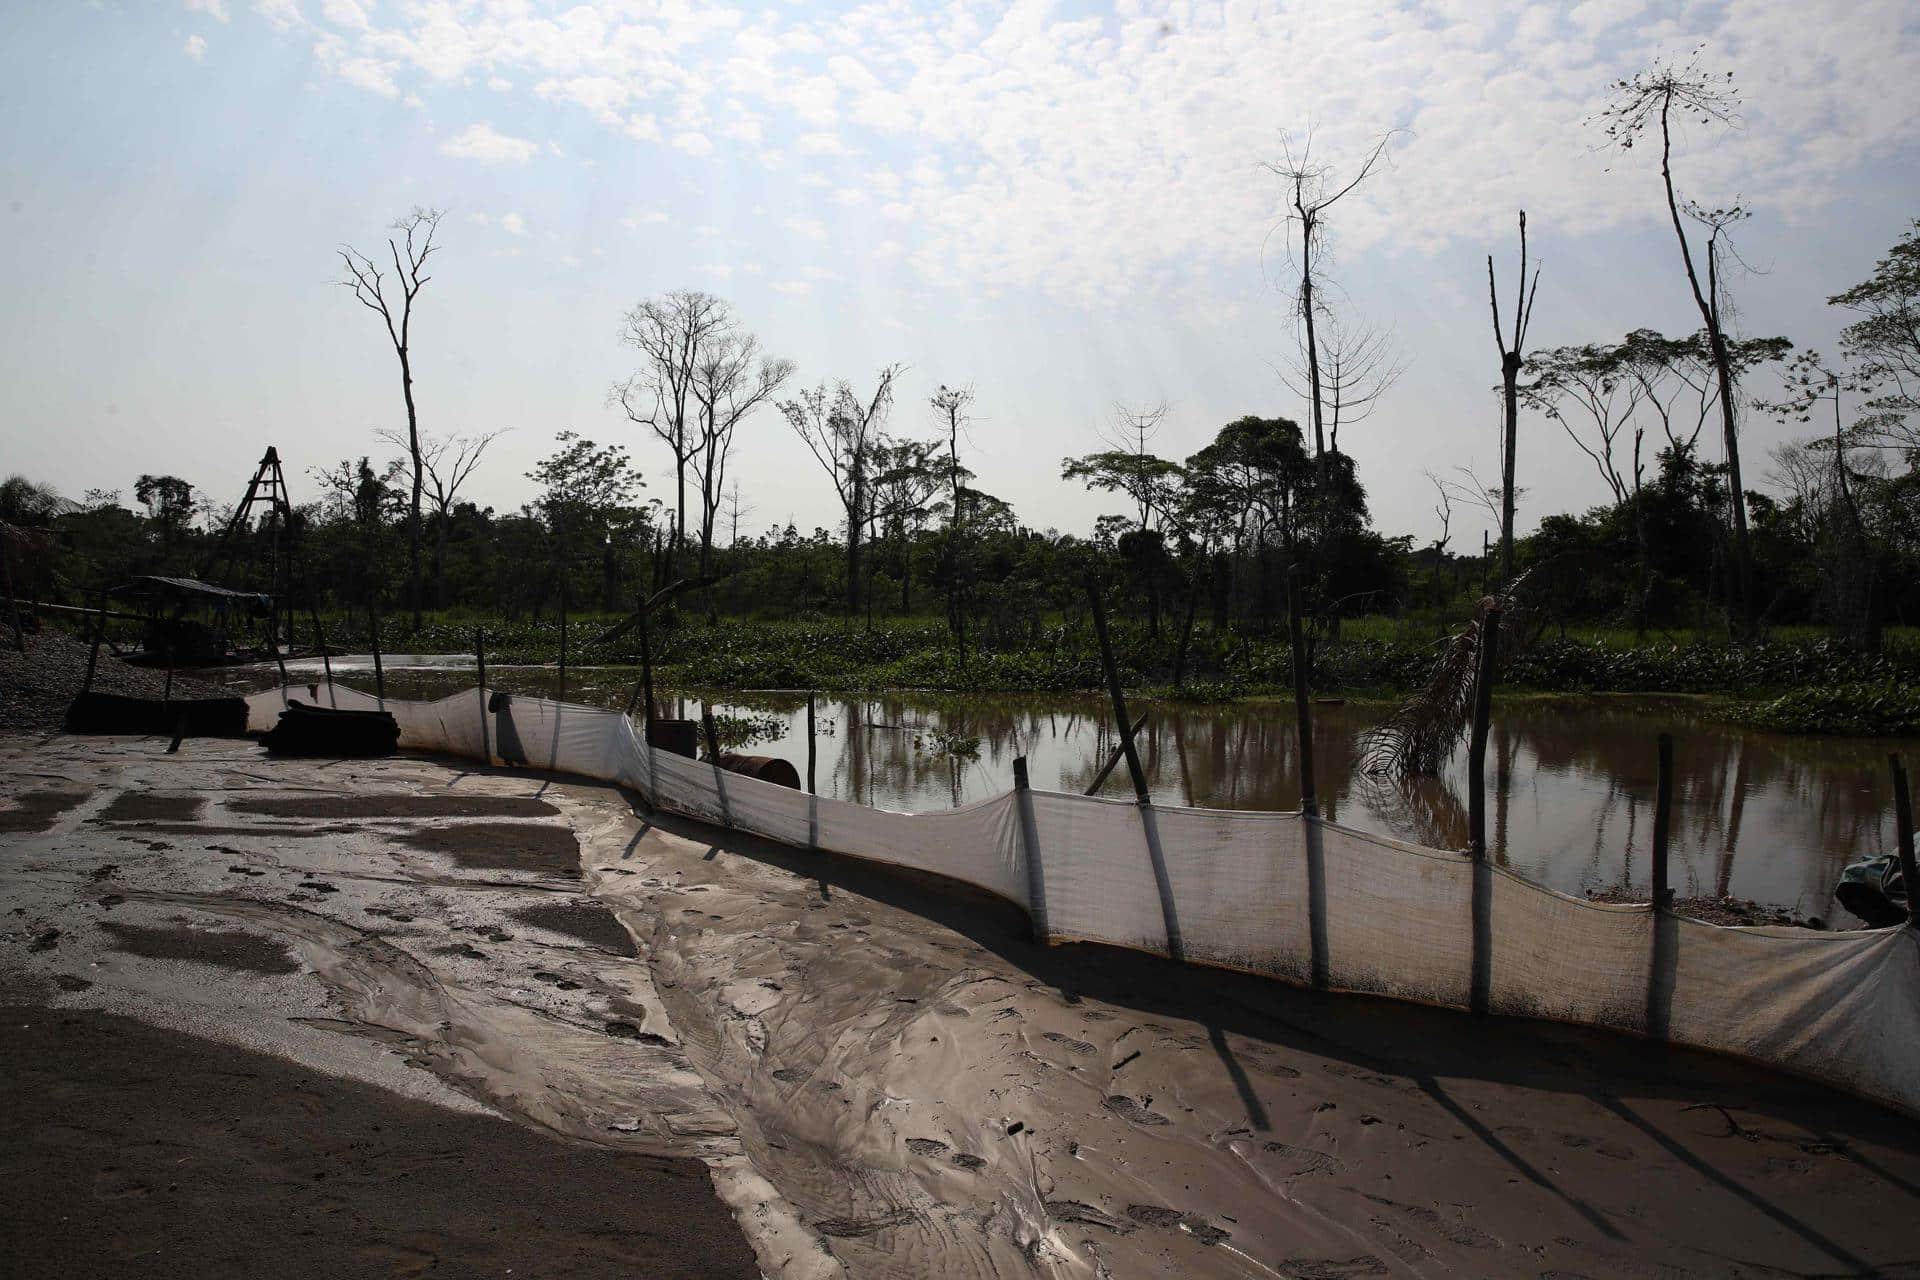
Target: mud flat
<point x="880" y="1076"/>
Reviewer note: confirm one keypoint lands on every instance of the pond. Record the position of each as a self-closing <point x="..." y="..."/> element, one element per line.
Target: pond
<point x="1762" y="816"/>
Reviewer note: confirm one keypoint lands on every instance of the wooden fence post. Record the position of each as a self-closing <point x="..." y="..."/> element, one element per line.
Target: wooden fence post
<point x="1477" y="743"/>
<point x="1660" y="970"/>
<point x="1303" y="713"/>
<point x="812" y="789"/>
<point x="562" y="696"/>
<point x="1119" y="698"/>
<point x="93" y="652"/>
<point x="379" y="672"/>
<point x="480" y="655"/>
<point x="1903" y="830"/>
<point x="1030" y="846"/>
<point x="713" y="755"/>
<point x="1480" y="991"/>
<point x="1662" y="825"/>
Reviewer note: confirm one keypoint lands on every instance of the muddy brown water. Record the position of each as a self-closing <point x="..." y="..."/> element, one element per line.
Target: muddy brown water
<point x="1769" y="817"/>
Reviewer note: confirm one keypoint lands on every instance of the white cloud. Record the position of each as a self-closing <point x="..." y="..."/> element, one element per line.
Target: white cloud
<point x="1097" y="155"/>
<point x="345" y="13"/>
<point x="215" y="9"/>
<point x="283" y="14"/>
<point x="196" y="47"/>
<point x="513" y="224"/>
<point x="644" y="218"/>
<point x="810" y="228"/>
<point x="820" y="144"/>
<point x="481" y="142"/>
<point x="793" y="288"/>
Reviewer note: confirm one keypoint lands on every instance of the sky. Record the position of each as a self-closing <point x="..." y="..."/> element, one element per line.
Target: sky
<point x="1067" y="206"/>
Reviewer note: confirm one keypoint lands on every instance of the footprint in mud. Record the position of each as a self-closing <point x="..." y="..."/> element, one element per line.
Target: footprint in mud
<point x="1308" y="1160"/>
<point x="1333" y="1268"/>
<point x="555" y="980"/>
<point x="1084" y="1215"/>
<point x="845" y="1227"/>
<point x="1127" y="1109"/>
<point x="962" y="1160"/>
<point x="245" y="871"/>
<point x="627" y="1031"/>
<point x="926" y="1146"/>
<point x="1459" y="1233"/>
<point x="789" y="1075"/>
<point x="1372" y="1078"/>
<point x="1581" y="1142"/>
<point x="1153" y="1215"/>
<point x="1068" y="1043"/>
<point x="319" y="886"/>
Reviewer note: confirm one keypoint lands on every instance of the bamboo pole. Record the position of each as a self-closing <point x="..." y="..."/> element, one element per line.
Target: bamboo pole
<point x="1119" y="698"/>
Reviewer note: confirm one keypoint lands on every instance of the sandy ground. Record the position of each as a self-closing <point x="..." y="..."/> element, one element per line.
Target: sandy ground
<point x="880" y="1075"/>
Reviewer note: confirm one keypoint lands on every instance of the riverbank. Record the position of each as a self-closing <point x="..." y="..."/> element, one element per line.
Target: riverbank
<point x="882" y="1075"/>
<point x="1378" y="661"/>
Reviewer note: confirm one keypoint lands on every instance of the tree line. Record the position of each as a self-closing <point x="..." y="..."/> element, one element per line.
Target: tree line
<point x="1267" y="508"/>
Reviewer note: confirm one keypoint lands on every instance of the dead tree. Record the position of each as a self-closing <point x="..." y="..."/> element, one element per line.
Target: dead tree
<point x="449" y="462"/>
<point x="1311" y="194"/>
<point x="843" y="431"/>
<point x="672" y="334"/>
<point x="1646" y="101"/>
<point x="1510" y="362"/>
<point x="952" y="405"/>
<point x="730" y="380"/>
<point x="409" y="252"/>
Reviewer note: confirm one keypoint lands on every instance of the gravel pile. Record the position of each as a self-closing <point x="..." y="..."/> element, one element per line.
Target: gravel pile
<point x="35" y="687"/>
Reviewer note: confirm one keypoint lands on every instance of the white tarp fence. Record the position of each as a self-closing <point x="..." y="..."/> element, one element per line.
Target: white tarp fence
<point x="1276" y="893"/>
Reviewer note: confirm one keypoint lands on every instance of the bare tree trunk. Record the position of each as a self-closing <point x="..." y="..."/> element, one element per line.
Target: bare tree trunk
<point x="419" y="479"/>
<point x="1306" y="313"/>
<point x="854" y="511"/>
<point x="1723" y="370"/>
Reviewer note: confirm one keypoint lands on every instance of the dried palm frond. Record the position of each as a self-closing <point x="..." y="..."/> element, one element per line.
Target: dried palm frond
<point x="1421" y="733"/>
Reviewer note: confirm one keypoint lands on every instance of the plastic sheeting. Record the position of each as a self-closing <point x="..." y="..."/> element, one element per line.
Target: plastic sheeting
<point x="1277" y="893"/>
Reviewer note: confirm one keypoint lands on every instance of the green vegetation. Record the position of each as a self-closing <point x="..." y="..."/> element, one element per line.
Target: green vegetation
<point x="1889" y="709"/>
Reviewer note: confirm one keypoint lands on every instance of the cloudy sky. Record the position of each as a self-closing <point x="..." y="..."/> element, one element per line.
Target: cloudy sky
<point x="1063" y="204"/>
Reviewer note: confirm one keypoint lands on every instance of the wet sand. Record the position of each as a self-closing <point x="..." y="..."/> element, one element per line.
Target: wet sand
<point x="884" y="1078"/>
<point x="133" y="1151"/>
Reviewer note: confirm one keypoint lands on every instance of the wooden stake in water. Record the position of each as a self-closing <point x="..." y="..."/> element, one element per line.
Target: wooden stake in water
<point x="480" y="655"/>
<point x="1662" y="823"/>
<point x="1903" y="831"/>
<point x="1119" y="699"/>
